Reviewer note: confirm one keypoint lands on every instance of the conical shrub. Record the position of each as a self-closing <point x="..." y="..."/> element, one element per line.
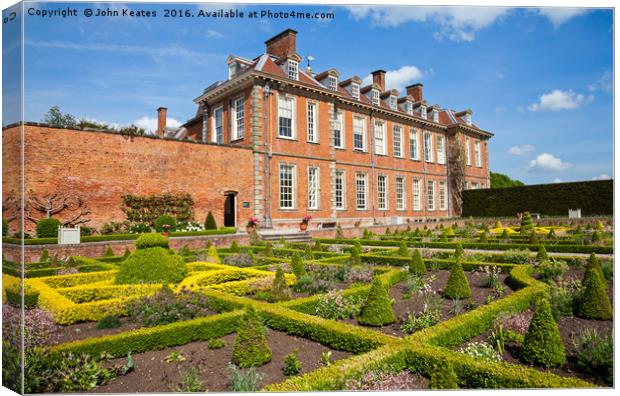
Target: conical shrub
<point x="250" y="348"/>
<point x="498" y="224"/>
<point x="443" y="377"/>
<point x="403" y="251"/>
<point x="297" y="265"/>
<point x="268" y="250"/>
<point x="596" y="237"/>
<point x="109" y="252"/>
<point x="377" y="309"/>
<point x="593" y="261"/>
<point x="45" y="256"/>
<point x="459" y="251"/>
<point x="483" y="237"/>
<point x="417" y="266"/>
<point x="551" y="234"/>
<point x="317" y="246"/>
<point x="534" y="238"/>
<point x="210" y="223"/>
<point x="234" y="248"/>
<point x="594" y="302"/>
<point x="308" y="253"/>
<point x="505" y="234"/>
<point x="542" y="345"/>
<point x="600" y="226"/>
<point x="355" y="259"/>
<point x="279" y="289"/>
<point x="527" y="224"/>
<point x="542" y="254"/>
<point x="126" y="254"/>
<point x="213" y="256"/>
<point x="457" y="286"/>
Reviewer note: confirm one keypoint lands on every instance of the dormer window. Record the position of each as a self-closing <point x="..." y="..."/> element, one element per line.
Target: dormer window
<point x="293" y="70"/>
<point x="435" y="116"/>
<point x="355" y="91"/>
<point x="332" y="83"/>
<point x="409" y="108"/>
<point x="374" y="97"/>
<point x="468" y="119"/>
<point x="393" y="103"/>
<point x="423" y="112"/>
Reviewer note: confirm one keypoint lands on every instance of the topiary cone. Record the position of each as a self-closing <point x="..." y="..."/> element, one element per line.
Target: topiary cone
<point x="457" y="286"/>
<point x="234" y="248"/>
<point x="542" y="345"/>
<point x="593" y="261"/>
<point x="459" y="251"/>
<point x="210" y="223"/>
<point x="402" y="250"/>
<point x="279" y="288"/>
<point x="355" y="259"/>
<point x="594" y="302"/>
<point x="417" y="266"/>
<point x="542" y="254"/>
<point x="250" y="348"/>
<point x="377" y="310"/>
<point x="297" y="265"/>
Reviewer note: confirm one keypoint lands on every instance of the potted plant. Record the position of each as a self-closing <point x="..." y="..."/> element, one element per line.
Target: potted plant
<point x="252" y="222"/>
<point x="304" y="222"/>
<point x="166" y="230"/>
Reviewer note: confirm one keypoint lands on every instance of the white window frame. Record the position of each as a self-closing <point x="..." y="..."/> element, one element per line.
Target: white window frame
<point x="478" y="153"/>
<point x="430" y="195"/>
<point x="374" y="97"/>
<point x="414" y="144"/>
<point x="215" y="137"/>
<point x="293" y="101"/>
<point x="332" y="83"/>
<point x="428" y="147"/>
<point x="314" y="183"/>
<point x="393" y="102"/>
<point x="409" y="107"/>
<point x="441" y="149"/>
<point x="435" y="115"/>
<point x="312" y="130"/>
<point x="339" y="121"/>
<point x="423" y="112"/>
<point x="355" y="91"/>
<point x="340" y="174"/>
<point x="397" y="143"/>
<point x="443" y="202"/>
<point x="380" y="138"/>
<point x="383" y="200"/>
<point x="293" y="200"/>
<point x="416" y="190"/>
<point x="292" y="69"/>
<point x="467" y="151"/>
<point x="361" y="194"/>
<point x="238" y="123"/>
<point x="400" y="188"/>
<point x="364" y="147"/>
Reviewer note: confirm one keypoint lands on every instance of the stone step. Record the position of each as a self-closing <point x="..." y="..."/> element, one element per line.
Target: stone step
<point x="287" y="235"/>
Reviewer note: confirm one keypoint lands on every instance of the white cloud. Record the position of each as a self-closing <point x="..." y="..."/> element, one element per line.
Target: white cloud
<point x="214" y="34"/>
<point x="557" y="100"/>
<point x="398" y="78"/>
<point x="521" y="150"/>
<point x="455" y="23"/>
<point x="605" y="83"/>
<point x="548" y="162"/>
<point x="557" y="180"/>
<point x="559" y="15"/>
<point x="602" y="177"/>
<point x="150" y="123"/>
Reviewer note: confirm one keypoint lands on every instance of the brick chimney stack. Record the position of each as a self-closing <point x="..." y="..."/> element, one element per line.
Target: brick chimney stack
<point x="162" y="114"/>
<point x="415" y="90"/>
<point x="282" y="44"/>
<point x="378" y="77"/>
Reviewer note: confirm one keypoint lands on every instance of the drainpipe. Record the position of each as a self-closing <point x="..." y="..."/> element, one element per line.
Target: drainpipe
<point x="372" y="166"/>
<point x="266" y="162"/>
<point x="448" y="183"/>
<point x="425" y="204"/>
<point x="229" y="121"/>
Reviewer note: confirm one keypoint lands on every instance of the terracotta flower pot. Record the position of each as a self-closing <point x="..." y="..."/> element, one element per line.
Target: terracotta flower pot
<point x="303" y="226"/>
<point x="166" y="234"/>
<point x="249" y="229"/>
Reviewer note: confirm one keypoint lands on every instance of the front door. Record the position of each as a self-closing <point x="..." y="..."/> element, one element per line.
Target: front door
<point x="229" y="211"/>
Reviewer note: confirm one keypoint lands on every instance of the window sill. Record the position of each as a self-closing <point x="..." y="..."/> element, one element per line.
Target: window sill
<point x="237" y="140"/>
<point x="286" y="138"/>
<point x="360" y="151"/>
<point x="340" y="148"/>
<point x="287" y="209"/>
<point x="311" y="142"/>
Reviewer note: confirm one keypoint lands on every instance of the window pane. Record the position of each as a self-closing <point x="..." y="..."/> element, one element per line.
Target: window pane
<point x="417" y="195"/>
<point x="359" y="133"/>
<point x="382" y="192"/>
<point x="285" y="122"/>
<point x="312" y="136"/>
<point x="339" y="190"/>
<point x="287" y="186"/>
<point x="400" y="193"/>
<point x="360" y="191"/>
<point x="398" y="142"/>
<point x="313" y="188"/>
<point x="413" y="145"/>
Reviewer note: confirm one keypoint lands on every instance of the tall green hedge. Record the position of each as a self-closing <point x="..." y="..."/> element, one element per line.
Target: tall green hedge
<point x="593" y="197"/>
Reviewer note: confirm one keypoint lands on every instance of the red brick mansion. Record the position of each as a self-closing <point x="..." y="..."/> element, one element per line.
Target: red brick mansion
<point x="276" y="142"/>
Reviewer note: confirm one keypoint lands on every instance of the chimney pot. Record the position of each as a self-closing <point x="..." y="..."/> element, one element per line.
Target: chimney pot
<point x="282" y="44"/>
<point x="415" y="90"/>
<point x="378" y="77"/>
<point x="162" y="115"/>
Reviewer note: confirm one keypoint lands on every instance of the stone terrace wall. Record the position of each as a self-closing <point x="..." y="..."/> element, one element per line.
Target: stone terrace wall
<point x="101" y="167"/>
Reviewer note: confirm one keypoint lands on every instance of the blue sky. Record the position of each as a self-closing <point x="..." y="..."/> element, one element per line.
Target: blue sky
<point x="540" y="79"/>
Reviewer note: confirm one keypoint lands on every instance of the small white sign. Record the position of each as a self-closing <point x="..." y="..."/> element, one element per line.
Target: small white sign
<point x="574" y="213"/>
<point x="68" y="235"/>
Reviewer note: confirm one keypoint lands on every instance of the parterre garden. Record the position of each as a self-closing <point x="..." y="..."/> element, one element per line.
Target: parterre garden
<point x="470" y="306"/>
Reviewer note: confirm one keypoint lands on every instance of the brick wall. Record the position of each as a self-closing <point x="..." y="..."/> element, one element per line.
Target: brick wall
<point x="101" y="167"/>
